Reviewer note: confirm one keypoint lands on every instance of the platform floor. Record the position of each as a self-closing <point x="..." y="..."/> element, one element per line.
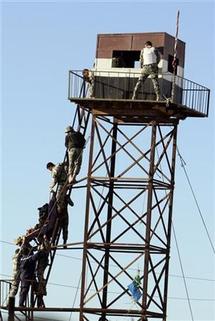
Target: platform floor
<point x="127" y="110"/>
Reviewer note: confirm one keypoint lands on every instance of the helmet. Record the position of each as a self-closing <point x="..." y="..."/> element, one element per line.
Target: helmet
<point x="68" y="129"/>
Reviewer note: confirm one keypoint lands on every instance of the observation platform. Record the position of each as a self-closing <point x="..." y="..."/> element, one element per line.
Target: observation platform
<point x="138" y="111"/>
<point x="112" y="94"/>
<point x="112" y="312"/>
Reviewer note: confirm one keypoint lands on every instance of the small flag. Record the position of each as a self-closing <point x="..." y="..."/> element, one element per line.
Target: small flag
<point x="135" y="291"/>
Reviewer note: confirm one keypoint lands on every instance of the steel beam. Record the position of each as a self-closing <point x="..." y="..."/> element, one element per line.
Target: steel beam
<point x="118" y="235"/>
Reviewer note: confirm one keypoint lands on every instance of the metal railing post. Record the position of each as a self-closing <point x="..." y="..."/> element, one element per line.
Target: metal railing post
<point x="11" y="304"/>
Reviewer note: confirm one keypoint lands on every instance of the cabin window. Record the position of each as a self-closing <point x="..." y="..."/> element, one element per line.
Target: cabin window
<point x="125" y="58"/>
<point x="170" y="66"/>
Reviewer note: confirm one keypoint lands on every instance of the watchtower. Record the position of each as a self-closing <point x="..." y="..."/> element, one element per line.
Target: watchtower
<point x="130" y="185"/>
<point x="130" y="181"/>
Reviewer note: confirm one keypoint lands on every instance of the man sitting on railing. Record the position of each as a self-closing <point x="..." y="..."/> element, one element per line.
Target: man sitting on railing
<point x="89" y="79"/>
<point x="149" y="59"/>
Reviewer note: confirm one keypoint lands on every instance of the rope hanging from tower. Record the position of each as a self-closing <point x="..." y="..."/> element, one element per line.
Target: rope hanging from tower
<point x="183" y="164"/>
<point x="174" y="62"/>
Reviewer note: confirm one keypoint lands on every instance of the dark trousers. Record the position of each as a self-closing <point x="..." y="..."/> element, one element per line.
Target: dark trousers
<point x="25" y="286"/>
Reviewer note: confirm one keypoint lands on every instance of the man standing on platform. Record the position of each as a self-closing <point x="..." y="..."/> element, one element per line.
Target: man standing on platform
<point x="149" y="59"/>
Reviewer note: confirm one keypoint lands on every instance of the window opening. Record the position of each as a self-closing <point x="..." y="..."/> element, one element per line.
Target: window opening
<point x="125" y="58"/>
<point x="170" y="65"/>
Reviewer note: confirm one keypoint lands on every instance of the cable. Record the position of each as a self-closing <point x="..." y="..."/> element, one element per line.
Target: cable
<point x="134" y="269"/>
<point x="195" y="199"/>
<point x="174" y="62"/>
<point x="180" y="261"/>
<point x="76" y="293"/>
<point x="169" y="297"/>
<point x="182" y="271"/>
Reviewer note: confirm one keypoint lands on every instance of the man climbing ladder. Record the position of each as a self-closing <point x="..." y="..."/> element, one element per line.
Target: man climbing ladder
<point x="74" y="142"/>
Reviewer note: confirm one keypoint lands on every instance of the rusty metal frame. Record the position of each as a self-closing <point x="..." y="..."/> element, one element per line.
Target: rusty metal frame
<point x="102" y="248"/>
<point x="195" y="97"/>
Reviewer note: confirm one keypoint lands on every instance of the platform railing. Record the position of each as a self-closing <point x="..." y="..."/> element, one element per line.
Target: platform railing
<point x="4" y="291"/>
<point x="120" y="85"/>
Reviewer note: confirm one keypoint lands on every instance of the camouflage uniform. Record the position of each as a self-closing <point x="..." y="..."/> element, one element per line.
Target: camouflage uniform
<point x="149" y="68"/>
<point x="16" y="273"/>
<point x="42" y="263"/>
<point x="59" y="176"/>
<point x="88" y="76"/>
<point x="74" y="142"/>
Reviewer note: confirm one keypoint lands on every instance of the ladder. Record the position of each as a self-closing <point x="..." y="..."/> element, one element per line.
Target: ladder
<point x="80" y="122"/>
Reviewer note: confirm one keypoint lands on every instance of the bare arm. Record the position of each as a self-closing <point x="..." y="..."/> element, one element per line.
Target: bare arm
<point x="141" y="58"/>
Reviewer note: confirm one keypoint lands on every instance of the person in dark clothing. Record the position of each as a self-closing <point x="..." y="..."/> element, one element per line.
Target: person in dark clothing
<point x="43" y="214"/>
<point x="48" y="227"/>
<point x="42" y="263"/>
<point x="27" y="274"/>
<point x="64" y="219"/>
<point x="74" y="142"/>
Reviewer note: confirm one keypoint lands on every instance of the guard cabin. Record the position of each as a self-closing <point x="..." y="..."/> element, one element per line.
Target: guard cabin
<point x="116" y="71"/>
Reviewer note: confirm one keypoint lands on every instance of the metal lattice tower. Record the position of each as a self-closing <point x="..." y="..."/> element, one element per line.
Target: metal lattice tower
<point x="128" y="216"/>
<point x="130" y="181"/>
<point x="130" y="185"/>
